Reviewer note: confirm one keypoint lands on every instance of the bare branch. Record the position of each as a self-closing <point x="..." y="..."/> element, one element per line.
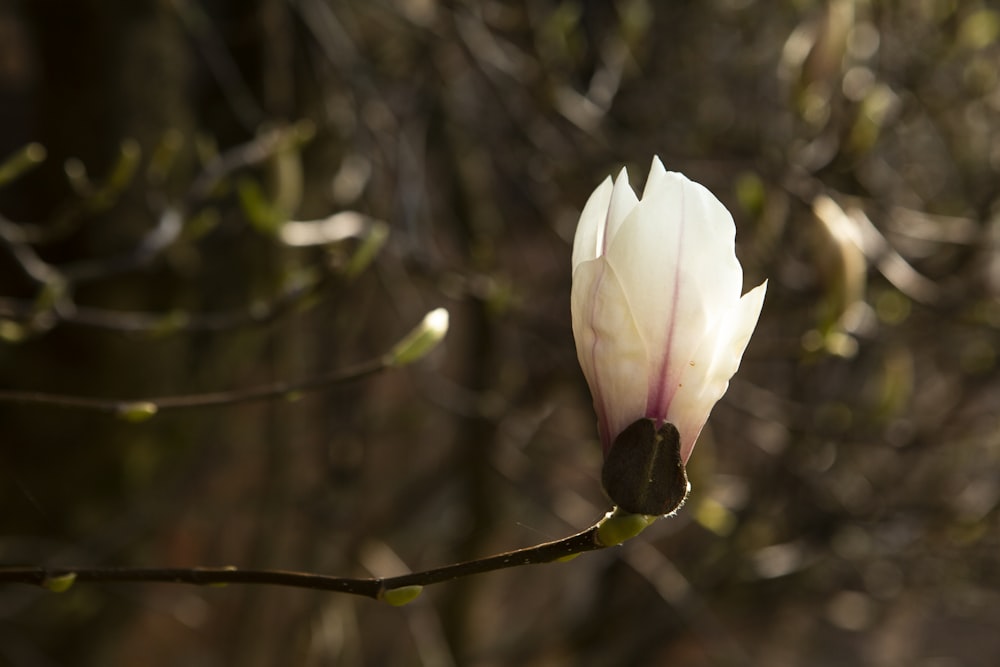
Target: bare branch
<point x="591" y="539"/>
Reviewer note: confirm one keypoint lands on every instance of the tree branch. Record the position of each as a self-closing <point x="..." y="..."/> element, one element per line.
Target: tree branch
<point x="412" y="347"/>
<point x="612" y="529"/>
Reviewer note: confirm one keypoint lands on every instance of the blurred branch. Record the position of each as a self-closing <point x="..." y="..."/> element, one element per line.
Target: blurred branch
<point x="257" y="150"/>
<point x="167" y="230"/>
<point x="24" y="160"/>
<point x="220" y="62"/>
<point x="93" y="196"/>
<point x="138" y="409"/>
<point x="152" y="323"/>
<point x="54" y="303"/>
<point x="299" y="289"/>
<point x="412" y="347"/>
<point x="32" y="266"/>
<point x="892" y="264"/>
<point x="862" y="233"/>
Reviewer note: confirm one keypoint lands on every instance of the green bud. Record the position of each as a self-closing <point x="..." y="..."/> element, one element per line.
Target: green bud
<point x="222" y="584"/>
<point x="23" y="160"/>
<point x="372" y="242"/>
<point x="12" y="332"/>
<point x="567" y="558"/>
<point x="137" y="411"/>
<point x="421" y="340"/>
<point x="261" y="212"/>
<point x="618" y="527"/>
<point x="61" y="583"/>
<point x="397" y="597"/>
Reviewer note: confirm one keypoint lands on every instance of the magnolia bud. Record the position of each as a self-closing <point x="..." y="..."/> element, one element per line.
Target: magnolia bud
<point x="398" y="597"/>
<point x="421" y="340"/>
<point x="660" y="326"/>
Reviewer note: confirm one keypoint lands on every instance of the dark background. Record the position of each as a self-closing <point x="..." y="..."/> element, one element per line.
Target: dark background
<point x="845" y="502"/>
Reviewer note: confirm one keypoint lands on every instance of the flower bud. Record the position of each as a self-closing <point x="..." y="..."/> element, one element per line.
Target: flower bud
<point x="60" y="583"/>
<point x="137" y="411"/>
<point x="660" y="326"/>
<point x="398" y="597"/>
<point x="421" y="340"/>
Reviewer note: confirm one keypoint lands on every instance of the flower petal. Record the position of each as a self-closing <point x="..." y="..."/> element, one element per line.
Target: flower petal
<point x="707" y="374"/>
<point x="589" y="238"/>
<point x="655" y="179"/>
<point x="623" y="202"/>
<point x="611" y="352"/>
<point x="676" y="261"/>
<point x="659" y="322"/>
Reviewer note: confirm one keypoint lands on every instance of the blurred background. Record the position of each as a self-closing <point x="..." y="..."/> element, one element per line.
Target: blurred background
<point x="845" y="492"/>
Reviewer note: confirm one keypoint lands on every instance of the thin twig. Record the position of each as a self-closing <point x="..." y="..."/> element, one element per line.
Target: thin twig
<point x="253" y="152"/>
<point x="32" y="266"/>
<point x="50" y="577"/>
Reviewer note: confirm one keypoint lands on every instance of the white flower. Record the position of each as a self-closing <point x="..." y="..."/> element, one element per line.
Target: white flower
<point x="659" y="322"/>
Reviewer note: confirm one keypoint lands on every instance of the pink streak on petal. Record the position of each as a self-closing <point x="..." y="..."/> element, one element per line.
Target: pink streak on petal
<point x="661" y="390"/>
<point x="660" y="394"/>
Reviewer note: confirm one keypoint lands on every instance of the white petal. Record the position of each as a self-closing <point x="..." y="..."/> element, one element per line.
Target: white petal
<point x="707" y="374"/>
<point x="655" y="178"/>
<point x="657" y="315"/>
<point x="623" y="202"/>
<point x="611" y="352"/>
<point x="676" y="261"/>
<point x="588" y="240"/>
